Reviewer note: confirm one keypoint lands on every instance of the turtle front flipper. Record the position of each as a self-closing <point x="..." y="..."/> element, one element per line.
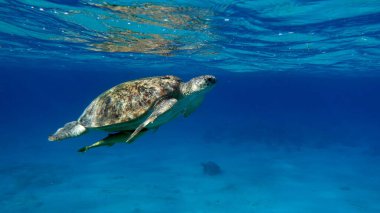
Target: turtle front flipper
<point x="161" y="107"/>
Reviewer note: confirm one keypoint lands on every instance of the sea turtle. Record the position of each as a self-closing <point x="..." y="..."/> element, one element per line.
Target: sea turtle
<point x="129" y="109"/>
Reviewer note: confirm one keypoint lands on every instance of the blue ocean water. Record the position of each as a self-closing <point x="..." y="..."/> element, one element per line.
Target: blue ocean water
<point x="293" y="122"/>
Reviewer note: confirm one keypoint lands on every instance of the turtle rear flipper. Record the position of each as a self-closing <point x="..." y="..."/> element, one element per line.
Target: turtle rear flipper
<point x="71" y="129"/>
<point x="83" y="149"/>
<point x="96" y="144"/>
<point x="111" y="139"/>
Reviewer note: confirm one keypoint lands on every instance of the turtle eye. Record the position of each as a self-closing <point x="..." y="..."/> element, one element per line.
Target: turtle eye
<point x="211" y="80"/>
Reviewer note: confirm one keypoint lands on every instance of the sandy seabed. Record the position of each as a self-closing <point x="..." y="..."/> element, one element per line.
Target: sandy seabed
<point x="166" y="176"/>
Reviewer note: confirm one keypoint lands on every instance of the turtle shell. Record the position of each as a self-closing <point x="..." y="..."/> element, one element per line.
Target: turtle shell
<point x="129" y="101"/>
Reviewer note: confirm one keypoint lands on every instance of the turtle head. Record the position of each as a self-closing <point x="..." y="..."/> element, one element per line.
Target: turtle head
<point x="200" y="84"/>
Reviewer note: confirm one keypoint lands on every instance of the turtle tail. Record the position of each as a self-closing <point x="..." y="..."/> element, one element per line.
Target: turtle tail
<point x="71" y="129"/>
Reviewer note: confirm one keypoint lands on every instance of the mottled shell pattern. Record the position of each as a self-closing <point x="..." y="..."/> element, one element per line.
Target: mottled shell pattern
<point x="129" y="101"/>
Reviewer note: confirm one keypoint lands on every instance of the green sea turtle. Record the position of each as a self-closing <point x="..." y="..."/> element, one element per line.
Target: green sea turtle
<point x="129" y="109"/>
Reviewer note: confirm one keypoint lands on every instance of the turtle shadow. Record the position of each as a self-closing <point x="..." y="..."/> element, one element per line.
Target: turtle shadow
<point x="210" y="168"/>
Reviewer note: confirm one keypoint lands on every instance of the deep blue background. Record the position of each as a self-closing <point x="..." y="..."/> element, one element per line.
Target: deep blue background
<point x="287" y="109"/>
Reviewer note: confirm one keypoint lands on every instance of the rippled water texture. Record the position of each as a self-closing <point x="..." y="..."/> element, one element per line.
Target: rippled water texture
<point x="238" y="36"/>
